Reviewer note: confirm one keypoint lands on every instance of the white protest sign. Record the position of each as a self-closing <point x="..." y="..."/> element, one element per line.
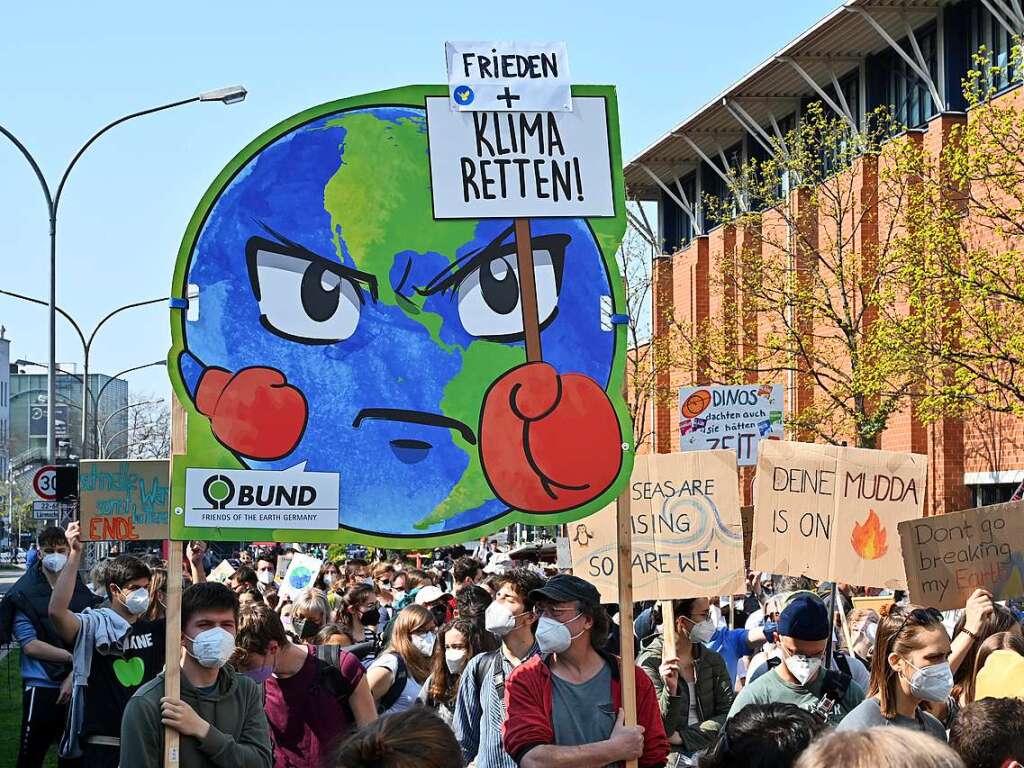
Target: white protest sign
<point x="489" y="165"/>
<point x="222" y="573"/>
<point x="238" y="498"/>
<point x="508" y="77"/>
<point x="302" y="572"/>
<point x="735" y="418"/>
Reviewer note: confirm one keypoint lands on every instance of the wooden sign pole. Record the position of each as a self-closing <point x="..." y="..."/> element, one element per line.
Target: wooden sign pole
<point x="528" y="291"/>
<point x="172" y="653"/>
<point x="668" y="628"/>
<point x="627" y="677"/>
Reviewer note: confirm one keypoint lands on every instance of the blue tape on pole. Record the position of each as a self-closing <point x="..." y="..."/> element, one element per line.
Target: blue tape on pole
<point x="178" y="303"/>
<point x="620" y="319"/>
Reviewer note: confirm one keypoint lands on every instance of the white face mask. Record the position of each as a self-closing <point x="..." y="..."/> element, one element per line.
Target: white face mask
<point x="702" y="631"/>
<point x="212" y="647"/>
<point x="455" y="659"/>
<point x="329" y="578"/>
<point x="932" y="683"/>
<point x="498" y="620"/>
<point x="398" y="595"/>
<point x="265" y="577"/>
<point x="803" y="668"/>
<point x="553" y="636"/>
<point x="424" y="643"/>
<point x="55" y="562"/>
<point x="137" y="601"/>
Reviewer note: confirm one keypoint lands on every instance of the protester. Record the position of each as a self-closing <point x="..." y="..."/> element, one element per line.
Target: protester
<point x="801" y="678"/>
<point x="249" y="597"/>
<point x="382" y="575"/>
<point x="333" y="634"/>
<point x="359" y="612"/>
<point x="562" y="707"/>
<point x="480" y="703"/>
<point x="399" y="591"/>
<point x="910" y="665"/>
<point x="981" y="619"/>
<point x="219" y="713"/>
<point x="764" y="736"/>
<point x="415" y="738"/>
<point x="437" y="601"/>
<point x="692" y="682"/>
<point x="45" y="658"/>
<point x="242" y="579"/>
<point x="466" y="572"/>
<point x="990" y="734"/>
<point x="115" y="651"/>
<point x="309" y="614"/>
<point x="457" y="643"/>
<point x="357" y="571"/>
<point x="1000" y="641"/>
<point x="398" y="674"/>
<point x="472" y="603"/>
<point x="878" y="748"/>
<point x="157" y="593"/>
<point x="266" y="568"/>
<point x="863" y="624"/>
<point x="312" y="703"/>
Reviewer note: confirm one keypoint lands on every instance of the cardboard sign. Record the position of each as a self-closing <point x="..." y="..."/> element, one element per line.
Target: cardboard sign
<point x="348" y="337"/>
<point x="687" y="533"/>
<point x="736" y="418"/>
<point x="947" y="557"/>
<point x="302" y="572"/>
<point x="283" y="562"/>
<point x="520" y="164"/>
<point x="221" y="573"/>
<point x="124" y="500"/>
<point x="830" y="512"/>
<point x="503" y="76"/>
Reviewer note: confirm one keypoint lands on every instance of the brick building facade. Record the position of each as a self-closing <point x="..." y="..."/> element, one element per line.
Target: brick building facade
<point x="907" y="55"/>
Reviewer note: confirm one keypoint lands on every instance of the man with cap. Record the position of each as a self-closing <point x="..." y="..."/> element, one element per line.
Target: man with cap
<point x="437" y="601"/>
<point x="565" y="706"/>
<point x="801" y="678"/>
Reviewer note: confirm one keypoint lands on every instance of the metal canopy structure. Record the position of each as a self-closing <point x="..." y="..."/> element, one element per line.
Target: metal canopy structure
<point x="809" y="67"/>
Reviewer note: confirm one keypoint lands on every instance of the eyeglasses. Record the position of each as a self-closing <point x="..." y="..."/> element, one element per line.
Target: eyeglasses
<point x="921" y="616"/>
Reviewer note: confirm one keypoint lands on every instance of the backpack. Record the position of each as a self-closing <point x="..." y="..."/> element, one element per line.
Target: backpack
<point x="330" y="680"/>
<point x="492" y="661"/>
<point x="395" y="691"/>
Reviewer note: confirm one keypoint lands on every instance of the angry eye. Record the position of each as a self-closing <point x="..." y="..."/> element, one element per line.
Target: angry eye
<point x="302" y="296"/>
<point x="488" y="295"/>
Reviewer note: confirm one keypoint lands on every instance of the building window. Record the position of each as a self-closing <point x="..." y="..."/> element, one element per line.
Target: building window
<point x="894" y="85"/>
<point x="994" y="493"/>
<point x="987" y="32"/>
<point x="676" y="227"/>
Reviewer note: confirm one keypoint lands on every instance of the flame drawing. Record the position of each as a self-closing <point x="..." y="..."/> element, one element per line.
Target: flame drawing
<point x="868" y="539"/>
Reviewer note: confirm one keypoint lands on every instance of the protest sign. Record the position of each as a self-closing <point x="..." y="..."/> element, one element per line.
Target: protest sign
<point x="282" y="567"/>
<point x="504" y="76"/>
<point x="302" y="572"/>
<point x="830" y="512"/>
<point x="221" y="573"/>
<point x="687" y="535"/>
<point x="948" y="556"/>
<point x="123" y="500"/>
<point x="378" y="411"/>
<point x="485" y="164"/>
<point x="736" y="418"/>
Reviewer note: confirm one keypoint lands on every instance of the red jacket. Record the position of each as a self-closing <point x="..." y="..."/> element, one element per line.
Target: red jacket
<point x="529" y="722"/>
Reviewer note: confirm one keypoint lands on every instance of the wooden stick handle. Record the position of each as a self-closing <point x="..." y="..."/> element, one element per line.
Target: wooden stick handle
<point x="172" y="655"/>
<point x="627" y="677"/>
<point x="668" y="625"/>
<point x="528" y="291"/>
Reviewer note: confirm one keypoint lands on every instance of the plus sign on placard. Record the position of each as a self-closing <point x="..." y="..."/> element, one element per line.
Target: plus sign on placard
<point x="506" y="77"/>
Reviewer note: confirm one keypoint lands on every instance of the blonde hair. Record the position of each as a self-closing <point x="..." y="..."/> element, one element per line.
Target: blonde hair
<point x="879" y="747"/>
<point x="410" y="620"/>
<point x="1000" y="641"/>
<point x="310" y="604"/>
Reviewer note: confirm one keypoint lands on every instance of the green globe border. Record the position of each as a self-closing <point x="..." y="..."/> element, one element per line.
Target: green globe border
<point x="203" y="450"/>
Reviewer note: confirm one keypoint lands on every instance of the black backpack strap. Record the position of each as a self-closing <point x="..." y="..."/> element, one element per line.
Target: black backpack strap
<point x="329" y="678"/>
<point x="329" y="653"/>
<point x="835" y="684"/>
<point x="395" y="691"/>
<point x="842" y="663"/>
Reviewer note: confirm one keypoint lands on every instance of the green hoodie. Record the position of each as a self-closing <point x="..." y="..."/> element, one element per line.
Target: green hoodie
<point x="713" y="688"/>
<point x="239" y="735"/>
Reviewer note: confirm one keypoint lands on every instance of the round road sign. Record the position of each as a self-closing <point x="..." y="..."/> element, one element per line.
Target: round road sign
<point x="45" y="483"/>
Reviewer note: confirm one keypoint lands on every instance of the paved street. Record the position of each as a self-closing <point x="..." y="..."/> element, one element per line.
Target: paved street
<point x="8" y="576"/>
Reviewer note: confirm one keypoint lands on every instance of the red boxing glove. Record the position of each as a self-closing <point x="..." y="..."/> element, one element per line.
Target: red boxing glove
<point x="548" y="442"/>
<point x="254" y="412"/>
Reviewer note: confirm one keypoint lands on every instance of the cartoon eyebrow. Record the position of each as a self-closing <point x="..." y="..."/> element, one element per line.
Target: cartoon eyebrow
<point x="457" y="271"/>
<point x="289" y="247"/>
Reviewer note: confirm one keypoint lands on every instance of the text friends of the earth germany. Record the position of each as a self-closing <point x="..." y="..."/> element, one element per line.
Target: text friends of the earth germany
<point x="510" y="77"/>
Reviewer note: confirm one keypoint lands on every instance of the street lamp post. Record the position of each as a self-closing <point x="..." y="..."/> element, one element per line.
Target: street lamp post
<point x="99" y="395"/>
<point x="86" y="350"/>
<point x="231" y="95"/>
<point x="103" y="428"/>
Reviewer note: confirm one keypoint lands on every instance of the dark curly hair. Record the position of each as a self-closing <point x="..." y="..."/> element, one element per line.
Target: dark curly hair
<point x="763" y="736"/>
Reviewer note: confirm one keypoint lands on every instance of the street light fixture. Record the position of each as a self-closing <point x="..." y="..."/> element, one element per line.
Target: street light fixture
<point x="231" y="95"/>
<point x="101" y="453"/>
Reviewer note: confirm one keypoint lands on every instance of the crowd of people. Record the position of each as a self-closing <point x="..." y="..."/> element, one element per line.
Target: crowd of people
<point x="480" y="661"/>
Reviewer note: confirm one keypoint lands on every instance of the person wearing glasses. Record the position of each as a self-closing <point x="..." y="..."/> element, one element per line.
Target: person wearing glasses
<point x="565" y="707"/>
<point x="910" y="665"/>
<point x="801" y="678"/>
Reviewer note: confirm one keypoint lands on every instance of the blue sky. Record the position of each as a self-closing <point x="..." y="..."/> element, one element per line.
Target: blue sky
<point x="67" y="69"/>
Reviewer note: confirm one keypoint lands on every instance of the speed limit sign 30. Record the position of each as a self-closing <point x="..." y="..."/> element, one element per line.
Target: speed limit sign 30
<point x="45" y="483"/>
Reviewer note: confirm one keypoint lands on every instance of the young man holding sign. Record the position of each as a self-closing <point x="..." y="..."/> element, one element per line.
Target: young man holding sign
<point x="565" y="707"/>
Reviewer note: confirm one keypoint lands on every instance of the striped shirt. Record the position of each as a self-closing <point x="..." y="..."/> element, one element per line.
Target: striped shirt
<point x="480" y="712"/>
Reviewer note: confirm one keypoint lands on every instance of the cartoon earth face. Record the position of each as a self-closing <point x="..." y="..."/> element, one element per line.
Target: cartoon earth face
<point x="342" y="327"/>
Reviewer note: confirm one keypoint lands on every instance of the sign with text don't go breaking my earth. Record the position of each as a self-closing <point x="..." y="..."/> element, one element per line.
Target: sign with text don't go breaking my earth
<point x="831" y="513"/>
<point x="687" y="532"/>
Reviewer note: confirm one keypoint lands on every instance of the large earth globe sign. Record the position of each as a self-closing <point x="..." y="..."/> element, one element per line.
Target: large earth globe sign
<point x="370" y="331"/>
